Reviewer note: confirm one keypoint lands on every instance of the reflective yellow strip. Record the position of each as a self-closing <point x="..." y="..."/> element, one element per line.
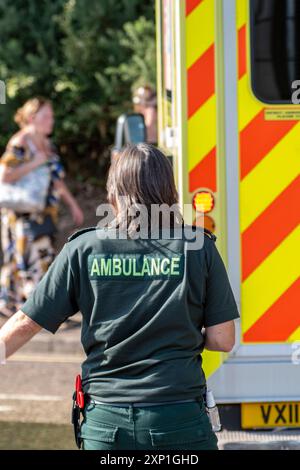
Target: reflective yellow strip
<point x="199" y="31"/>
<point x="249" y="106"/>
<point x="270" y="280"/>
<point x="270" y="177"/>
<point x="295" y="336"/>
<point x="202" y="132"/>
<point x="201" y="126"/>
<point x="242" y="12"/>
<point x="211" y="361"/>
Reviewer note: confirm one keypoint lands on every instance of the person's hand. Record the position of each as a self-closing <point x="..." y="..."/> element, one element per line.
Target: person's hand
<point x="77" y="215"/>
<point x="40" y="158"/>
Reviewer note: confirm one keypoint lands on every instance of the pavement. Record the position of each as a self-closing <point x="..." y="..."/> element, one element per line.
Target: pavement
<point x="259" y="440"/>
<point x="37" y="384"/>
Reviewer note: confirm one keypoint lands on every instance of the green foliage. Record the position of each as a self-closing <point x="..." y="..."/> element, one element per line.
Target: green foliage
<point x="137" y="38"/>
<point x="29" y="55"/>
<point x="85" y="56"/>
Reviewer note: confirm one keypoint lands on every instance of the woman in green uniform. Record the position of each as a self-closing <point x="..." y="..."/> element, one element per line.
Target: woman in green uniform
<point x="149" y="306"/>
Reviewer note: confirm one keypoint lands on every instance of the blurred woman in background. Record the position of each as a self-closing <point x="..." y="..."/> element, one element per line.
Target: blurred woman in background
<point x="27" y="238"/>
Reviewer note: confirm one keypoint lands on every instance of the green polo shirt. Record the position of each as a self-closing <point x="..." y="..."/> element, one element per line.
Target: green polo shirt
<point x="143" y="304"/>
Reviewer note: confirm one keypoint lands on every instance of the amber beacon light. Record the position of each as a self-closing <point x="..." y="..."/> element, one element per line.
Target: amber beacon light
<point x="203" y="201"/>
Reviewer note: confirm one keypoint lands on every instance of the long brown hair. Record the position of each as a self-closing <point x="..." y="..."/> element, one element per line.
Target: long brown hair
<point x="141" y="174"/>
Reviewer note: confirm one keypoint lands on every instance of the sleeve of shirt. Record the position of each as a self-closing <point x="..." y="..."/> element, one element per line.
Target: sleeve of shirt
<point x="220" y="305"/>
<point x="57" y="168"/>
<point x="59" y="171"/>
<point x="53" y="299"/>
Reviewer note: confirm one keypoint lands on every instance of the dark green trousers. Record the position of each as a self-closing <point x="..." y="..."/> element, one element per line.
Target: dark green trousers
<point x="182" y="426"/>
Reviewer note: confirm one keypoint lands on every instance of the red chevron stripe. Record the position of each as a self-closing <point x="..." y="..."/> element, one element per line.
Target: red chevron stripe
<point x="280" y="320"/>
<point x="204" y="173"/>
<point x="258" y="138"/>
<point x="270" y="228"/>
<point x="242" y="51"/>
<point x="191" y="5"/>
<point x="201" y="80"/>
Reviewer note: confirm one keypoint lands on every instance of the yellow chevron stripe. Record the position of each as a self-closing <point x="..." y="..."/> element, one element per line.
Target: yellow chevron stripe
<point x="270" y="177"/>
<point x="294" y="336"/>
<point x="211" y="361"/>
<point x="201" y="127"/>
<point x="202" y="133"/>
<point x="242" y="13"/>
<point x="200" y="31"/>
<point x="250" y="105"/>
<point x="270" y="280"/>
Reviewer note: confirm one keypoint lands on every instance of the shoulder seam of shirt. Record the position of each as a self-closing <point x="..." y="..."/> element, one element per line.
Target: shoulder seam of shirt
<point x="209" y="234"/>
<point x="80" y="232"/>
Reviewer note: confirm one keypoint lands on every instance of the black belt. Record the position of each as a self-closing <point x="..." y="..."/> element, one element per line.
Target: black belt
<point x="142" y="404"/>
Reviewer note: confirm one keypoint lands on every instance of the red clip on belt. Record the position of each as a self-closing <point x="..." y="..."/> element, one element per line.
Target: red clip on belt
<point x="79" y="393"/>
